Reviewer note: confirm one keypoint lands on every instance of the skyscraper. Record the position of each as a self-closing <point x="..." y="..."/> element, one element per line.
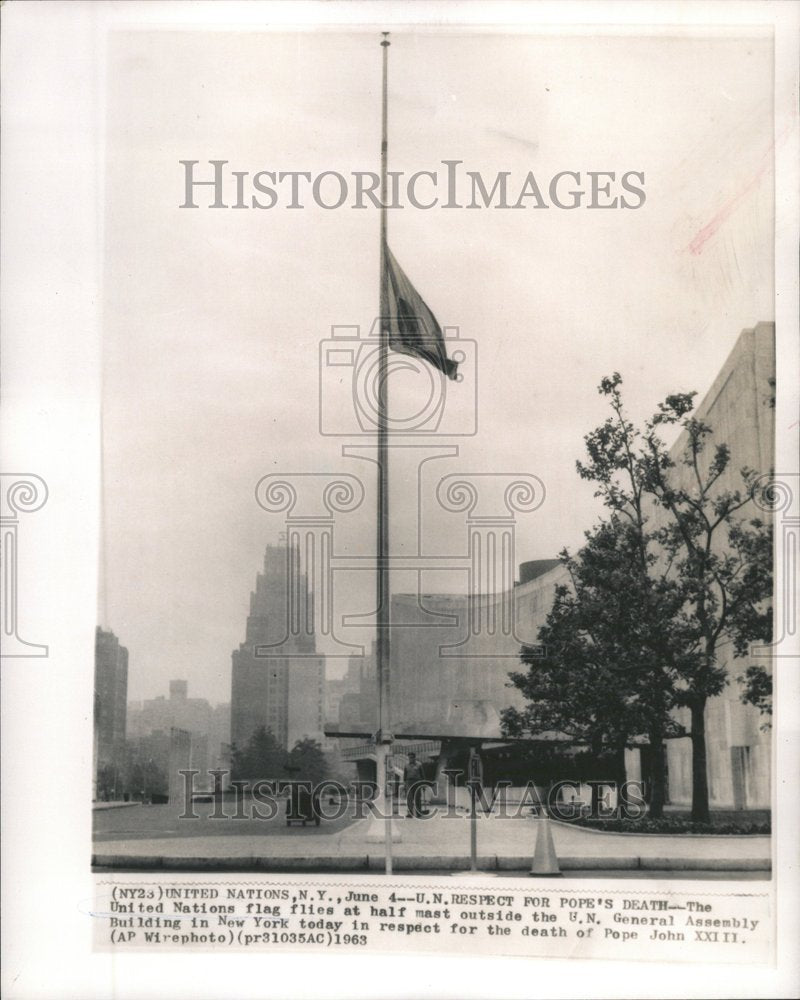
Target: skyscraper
<point x="111" y="700"/>
<point x="277" y="676"/>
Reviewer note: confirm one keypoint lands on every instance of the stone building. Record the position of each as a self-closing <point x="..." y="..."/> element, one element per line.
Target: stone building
<point x="219" y="743"/>
<point x="111" y="697"/>
<point x="740" y="409"/>
<point x="179" y="711"/>
<point x="180" y="759"/>
<point x="450" y="658"/>
<point x="277" y="676"/>
<point x="352" y="700"/>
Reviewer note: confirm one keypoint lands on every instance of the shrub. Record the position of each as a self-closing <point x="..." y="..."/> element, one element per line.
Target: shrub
<point x="673" y="824"/>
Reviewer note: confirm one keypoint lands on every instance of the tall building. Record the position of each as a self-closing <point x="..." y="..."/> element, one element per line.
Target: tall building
<point x="111" y="697"/>
<point x="148" y="765"/>
<point x="180" y="759"/>
<point x="352" y="700"/>
<point x="220" y="736"/>
<point x="192" y="715"/>
<point x="277" y="676"/>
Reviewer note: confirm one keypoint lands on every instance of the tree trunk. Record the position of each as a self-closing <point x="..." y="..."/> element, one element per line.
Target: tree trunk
<point x="658" y="776"/>
<point x="620" y="773"/>
<point x="700" y="810"/>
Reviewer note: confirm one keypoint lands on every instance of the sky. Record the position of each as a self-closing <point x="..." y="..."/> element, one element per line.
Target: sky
<point x="213" y="319"/>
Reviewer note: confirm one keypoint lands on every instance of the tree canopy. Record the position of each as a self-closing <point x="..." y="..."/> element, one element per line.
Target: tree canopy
<point x="263" y="757"/>
<point x="673" y="575"/>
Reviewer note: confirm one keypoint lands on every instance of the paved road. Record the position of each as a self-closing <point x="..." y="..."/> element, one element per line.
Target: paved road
<point x="435" y="844"/>
<point x="164" y="822"/>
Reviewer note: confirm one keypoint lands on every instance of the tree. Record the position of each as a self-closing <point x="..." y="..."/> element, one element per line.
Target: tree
<point x="600" y="680"/>
<point x="262" y="758"/>
<point x="756" y="681"/>
<point x="757" y="684"/>
<point x="307" y="761"/>
<point x="106" y="782"/>
<point x="718" y="566"/>
<point x="146" y="777"/>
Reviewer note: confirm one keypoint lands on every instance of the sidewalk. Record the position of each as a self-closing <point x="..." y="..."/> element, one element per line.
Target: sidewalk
<point x="440" y="843"/>
<point x="115" y="804"/>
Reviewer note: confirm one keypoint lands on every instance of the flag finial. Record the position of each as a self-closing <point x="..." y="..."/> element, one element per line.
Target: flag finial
<point x="385" y="43"/>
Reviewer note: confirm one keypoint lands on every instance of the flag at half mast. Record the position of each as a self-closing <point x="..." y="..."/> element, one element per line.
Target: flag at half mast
<point x="412" y="327"/>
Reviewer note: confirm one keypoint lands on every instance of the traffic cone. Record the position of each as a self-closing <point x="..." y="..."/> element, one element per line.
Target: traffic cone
<point x="545" y="861"/>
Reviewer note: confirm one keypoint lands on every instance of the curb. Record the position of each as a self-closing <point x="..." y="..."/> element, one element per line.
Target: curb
<point x="429" y="862"/>
<point x="588" y="864"/>
<point x="706" y="864"/>
<point x="106" y="806"/>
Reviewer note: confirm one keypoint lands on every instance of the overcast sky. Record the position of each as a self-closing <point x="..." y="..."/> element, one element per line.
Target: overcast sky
<point x="213" y="317"/>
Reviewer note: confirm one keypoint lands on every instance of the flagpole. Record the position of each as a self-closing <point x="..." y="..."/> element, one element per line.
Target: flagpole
<point x="383" y="582"/>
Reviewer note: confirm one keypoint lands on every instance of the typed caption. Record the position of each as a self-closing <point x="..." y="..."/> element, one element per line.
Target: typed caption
<point x="496" y="917"/>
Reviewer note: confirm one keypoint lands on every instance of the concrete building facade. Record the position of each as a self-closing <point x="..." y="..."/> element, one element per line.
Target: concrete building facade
<point x="740" y="409"/>
<point x="178" y="711"/>
<point x="180" y="759"/>
<point x="111" y="699"/>
<point x="450" y="660"/>
<point x="219" y="743"/>
<point x="352" y="700"/>
<point x="277" y="675"/>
